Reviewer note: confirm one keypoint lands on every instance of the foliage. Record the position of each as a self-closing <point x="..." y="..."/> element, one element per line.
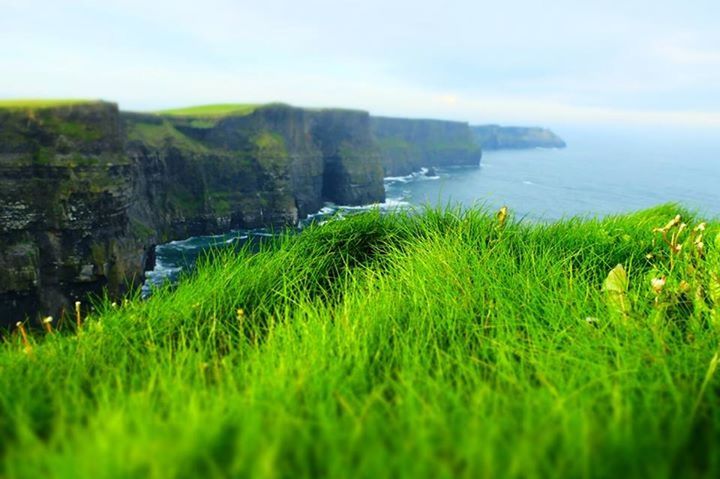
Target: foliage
<point x="162" y="134"/>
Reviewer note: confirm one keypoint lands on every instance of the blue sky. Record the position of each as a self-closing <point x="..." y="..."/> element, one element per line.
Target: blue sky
<point x="515" y="61"/>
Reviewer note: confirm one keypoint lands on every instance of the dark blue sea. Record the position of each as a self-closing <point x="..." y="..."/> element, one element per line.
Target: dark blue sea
<point x="601" y="172"/>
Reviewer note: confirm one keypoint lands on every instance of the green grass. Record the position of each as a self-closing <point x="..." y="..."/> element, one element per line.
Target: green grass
<point x="159" y="135"/>
<point x="24" y="104"/>
<point x="445" y="344"/>
<point x="212" y="111"/>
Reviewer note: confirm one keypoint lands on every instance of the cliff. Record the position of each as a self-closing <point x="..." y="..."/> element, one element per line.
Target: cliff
<point x="495" y="137"/>
<point x="86" y="191"/>
<point x="65" y="189"/>
<point x="407" y="145"/>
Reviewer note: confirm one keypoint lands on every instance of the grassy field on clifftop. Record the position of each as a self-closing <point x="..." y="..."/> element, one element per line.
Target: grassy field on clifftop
<point x="32" y="104"/>
<point x="444" y="344"/>
<point x="224" y="109"/>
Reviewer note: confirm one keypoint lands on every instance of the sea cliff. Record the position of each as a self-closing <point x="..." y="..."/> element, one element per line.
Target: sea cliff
<point x="496" y="137"/>
<point x="65" y="191"/>
<point x="407" y="145"/>
<point x="88" y="191"/>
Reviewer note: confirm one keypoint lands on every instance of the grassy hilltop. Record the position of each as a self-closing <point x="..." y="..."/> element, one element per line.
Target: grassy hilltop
<point x="40" y="103"/>
<point x="444" y="344"/>
<point x="217" y="110"/>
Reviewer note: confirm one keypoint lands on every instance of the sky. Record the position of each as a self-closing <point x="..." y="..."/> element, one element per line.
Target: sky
<point x="545" y="62"/>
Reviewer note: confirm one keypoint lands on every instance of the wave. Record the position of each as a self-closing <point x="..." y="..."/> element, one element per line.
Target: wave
<point x="421" y="175"/>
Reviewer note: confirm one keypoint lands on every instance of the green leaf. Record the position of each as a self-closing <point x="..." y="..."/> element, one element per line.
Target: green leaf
<point x="616" y="286"/>
<point x="617" y="280"/>
<point x="714" y="289"/>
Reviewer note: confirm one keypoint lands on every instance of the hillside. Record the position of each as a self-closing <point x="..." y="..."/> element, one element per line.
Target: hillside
<point x="442" y="344"/>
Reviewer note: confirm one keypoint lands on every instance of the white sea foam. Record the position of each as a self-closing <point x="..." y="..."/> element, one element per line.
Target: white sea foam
<point x="414" y="176"/>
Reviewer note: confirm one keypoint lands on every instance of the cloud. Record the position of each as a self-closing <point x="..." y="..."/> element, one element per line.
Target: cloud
<point x="519" y="61"/>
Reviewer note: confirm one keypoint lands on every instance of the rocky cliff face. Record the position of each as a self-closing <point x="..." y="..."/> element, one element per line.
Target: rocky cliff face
<point x="353" y="170"/>
<point x="495" y="137"/>
<point x="65" y="188"/>
<point x="407" y="145"/>
<point x="86" y="192"/>
<point x="268" y="168"/>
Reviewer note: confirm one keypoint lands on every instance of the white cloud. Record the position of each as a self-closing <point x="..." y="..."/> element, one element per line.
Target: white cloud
<point x="519" y="61"/>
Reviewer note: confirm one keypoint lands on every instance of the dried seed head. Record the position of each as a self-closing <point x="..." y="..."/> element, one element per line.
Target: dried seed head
<point x="78" y="315"/>
<point x="684" y="286"/>
<point x="47" y="323"/>
<point x="700" y="227"/>
<point x="699" y="246"/>
<point x="671" y="224"/>
<point x="658" y="284"/>
<point x="649" y="256"/>
<point x="502" y="215"/>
